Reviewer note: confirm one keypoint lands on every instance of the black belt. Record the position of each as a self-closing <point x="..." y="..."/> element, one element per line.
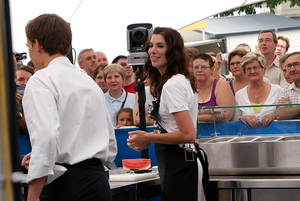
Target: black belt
<point x="82" y="163"/>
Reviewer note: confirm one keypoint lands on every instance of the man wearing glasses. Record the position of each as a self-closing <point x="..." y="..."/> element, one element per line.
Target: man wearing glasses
<point x="282" y="45"/>
<point x="267" y="43"/>
<point x="291" y="93"/>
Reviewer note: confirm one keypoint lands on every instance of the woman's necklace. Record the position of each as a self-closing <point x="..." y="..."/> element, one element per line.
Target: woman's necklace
<point x="256" y="95"/>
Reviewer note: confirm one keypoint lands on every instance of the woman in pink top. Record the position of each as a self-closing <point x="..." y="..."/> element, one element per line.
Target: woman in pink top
<point x="211" y="91"/>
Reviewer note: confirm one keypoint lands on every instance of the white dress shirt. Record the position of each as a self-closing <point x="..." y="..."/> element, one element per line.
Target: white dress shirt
<point x="67" y="119"/>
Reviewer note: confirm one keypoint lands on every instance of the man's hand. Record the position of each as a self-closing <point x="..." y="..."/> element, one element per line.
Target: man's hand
<point x="26" y="160"/>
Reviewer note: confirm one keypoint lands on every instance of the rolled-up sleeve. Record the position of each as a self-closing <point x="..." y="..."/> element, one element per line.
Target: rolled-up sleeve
<point x="42" y="120"/>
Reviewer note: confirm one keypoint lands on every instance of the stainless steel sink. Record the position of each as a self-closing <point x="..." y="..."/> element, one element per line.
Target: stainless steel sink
<point x="252" y="155"/>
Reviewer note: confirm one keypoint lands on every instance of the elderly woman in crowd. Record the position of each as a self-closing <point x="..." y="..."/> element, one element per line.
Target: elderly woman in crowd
<point x="211" y="91"/>
<point x="234" y="66"/>
<point x="116" y="97"/>
<point x="258" y="92"/>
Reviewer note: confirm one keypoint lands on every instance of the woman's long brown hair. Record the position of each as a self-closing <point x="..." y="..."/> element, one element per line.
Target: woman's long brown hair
<point x="177" y="61"/>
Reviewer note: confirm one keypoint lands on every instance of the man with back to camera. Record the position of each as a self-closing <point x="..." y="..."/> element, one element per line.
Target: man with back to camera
<point x="67" y="119"/>
<point x="87" y="60"/>
<point x="267" y="43"/>
<point x="101" y="58"/>
<point x="291" y="93"/>
<point x="129" y="84"/>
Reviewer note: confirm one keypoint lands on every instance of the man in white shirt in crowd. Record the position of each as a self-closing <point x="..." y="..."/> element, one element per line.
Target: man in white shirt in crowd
<point x="291" y="93"/>
<point x="69" y="126"/>
<point x="87" y="60"/>
<point x="267" y="43"/>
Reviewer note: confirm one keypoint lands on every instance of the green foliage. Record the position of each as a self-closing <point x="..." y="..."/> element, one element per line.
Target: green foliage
<point x="250" y="9"/>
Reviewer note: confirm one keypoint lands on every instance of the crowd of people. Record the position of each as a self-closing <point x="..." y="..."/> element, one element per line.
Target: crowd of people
<point x="211" y="84"/>
<point x="258" y="78"/>
<point x="63" y="115"/>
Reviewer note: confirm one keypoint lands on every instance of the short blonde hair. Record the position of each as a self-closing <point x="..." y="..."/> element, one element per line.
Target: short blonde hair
<point x="253" y="56"/>
<point x="113" y="68"/>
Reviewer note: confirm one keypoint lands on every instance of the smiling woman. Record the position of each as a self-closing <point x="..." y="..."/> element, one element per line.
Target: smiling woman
<point x="116" y="98"/>
<point x="175" y="114"/>
<point x="258" y="92"/>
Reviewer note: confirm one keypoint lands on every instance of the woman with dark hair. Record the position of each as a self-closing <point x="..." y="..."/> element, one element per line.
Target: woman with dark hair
<point x="175" y="113"/>
<point x="211" y="91"/>
<point x="234" y="66"/>
<point x="99" y="78"/>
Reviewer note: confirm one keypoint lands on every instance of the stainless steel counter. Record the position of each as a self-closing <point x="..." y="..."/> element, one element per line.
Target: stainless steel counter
<point x="227" y="188"/>
<point x="255" y="188"/>
<point x="255" y="182"/>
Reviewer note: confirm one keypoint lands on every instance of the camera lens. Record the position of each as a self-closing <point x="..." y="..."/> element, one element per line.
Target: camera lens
<point x="138" y="35"/>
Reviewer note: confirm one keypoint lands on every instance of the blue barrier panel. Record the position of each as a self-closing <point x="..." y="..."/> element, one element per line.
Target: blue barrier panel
<point x="125" y="152"/>
<point x="24" y="145"/>
<point x="205" y="130"/>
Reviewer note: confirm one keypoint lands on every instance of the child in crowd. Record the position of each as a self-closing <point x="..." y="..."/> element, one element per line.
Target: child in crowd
<point x="124" y="117"/>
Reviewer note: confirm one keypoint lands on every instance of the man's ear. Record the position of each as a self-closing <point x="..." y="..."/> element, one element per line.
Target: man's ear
<point x="80" y="64"/>
<point x="37" y="46"/>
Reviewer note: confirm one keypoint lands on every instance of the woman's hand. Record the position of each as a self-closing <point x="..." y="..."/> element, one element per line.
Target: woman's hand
<point x="138" y="140"/>
<point x="251" y="120"/>
<point x="26" y="160"/>
<point x="267" y="119"/>
<point x="219" y="62"/>
<point x="219" y="115"/>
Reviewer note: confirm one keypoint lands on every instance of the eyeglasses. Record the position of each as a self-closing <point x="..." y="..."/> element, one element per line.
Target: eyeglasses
<point x="235" y="63"/>
<point x="255" y="68"/>
<point x="201" y="67"/>
<point x="295" y="64"/>
<point x="281" y="46"/>
<point x="123" y="64"/>
<point x="267" y="40"/>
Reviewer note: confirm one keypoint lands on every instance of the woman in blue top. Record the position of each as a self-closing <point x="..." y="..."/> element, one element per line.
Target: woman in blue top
<point x="116" y="97"/>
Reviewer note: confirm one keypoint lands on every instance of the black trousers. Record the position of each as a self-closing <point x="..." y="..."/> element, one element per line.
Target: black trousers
<point x="179" y="177"/>
<point x="81" y="182"/>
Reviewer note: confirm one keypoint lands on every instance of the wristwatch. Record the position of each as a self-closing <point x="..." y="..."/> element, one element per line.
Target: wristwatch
<point x="20" y="115"/>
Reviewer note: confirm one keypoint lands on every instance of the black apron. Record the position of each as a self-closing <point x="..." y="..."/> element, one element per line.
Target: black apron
<point x="179" y="176"/>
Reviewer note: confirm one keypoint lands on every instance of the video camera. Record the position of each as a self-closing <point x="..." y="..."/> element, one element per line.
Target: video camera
<point x="137" y="36"/>
<point x="21" y="56"/>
